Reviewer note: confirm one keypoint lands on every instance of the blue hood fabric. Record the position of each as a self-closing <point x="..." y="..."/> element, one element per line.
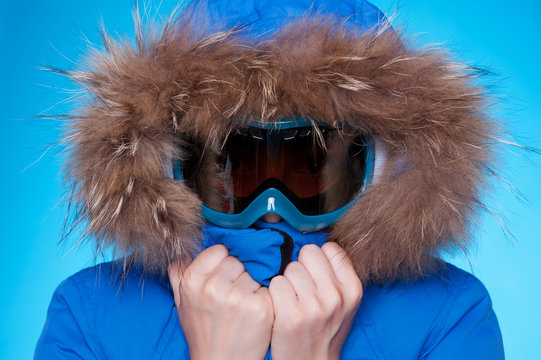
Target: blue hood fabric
<point x="262" y="17"/>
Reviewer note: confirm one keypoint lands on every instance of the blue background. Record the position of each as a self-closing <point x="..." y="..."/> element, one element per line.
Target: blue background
<point x="499" y="35"/>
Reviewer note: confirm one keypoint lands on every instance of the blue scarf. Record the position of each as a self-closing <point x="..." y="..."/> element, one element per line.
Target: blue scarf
<point x="265" y="249"/>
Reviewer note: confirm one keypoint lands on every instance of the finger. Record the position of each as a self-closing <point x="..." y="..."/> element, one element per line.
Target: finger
<point x="317" y="264"/>
<point x="282" y="293"/>
<point x="300" y="280"/>
<point x="207" y="261"/>
<point x="246" y="282"/>
<point x="341" y="263"/>
<point x="228" y="270"/>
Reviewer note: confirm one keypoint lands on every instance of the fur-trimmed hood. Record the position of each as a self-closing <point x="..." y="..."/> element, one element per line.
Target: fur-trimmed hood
<point x="196" y="80"/>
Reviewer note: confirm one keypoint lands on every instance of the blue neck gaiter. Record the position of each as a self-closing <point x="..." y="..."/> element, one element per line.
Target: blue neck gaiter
<point x="265" y="249"/>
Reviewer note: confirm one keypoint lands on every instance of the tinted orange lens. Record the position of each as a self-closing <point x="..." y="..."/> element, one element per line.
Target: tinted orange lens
<point x="318" y="173"/>
<point x="296" y="163"/>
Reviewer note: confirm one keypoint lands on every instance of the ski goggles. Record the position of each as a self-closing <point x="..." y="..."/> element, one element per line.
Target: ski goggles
<point x="308" y="174"/>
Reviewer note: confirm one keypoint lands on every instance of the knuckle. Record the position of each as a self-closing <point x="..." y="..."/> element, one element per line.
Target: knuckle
<point x="355" y="291"/>
<point x="292" y="268"/>
<point x="275" y="284"/>
<point x="314" y="310"/>
<point x="278" y="286"/>
<point x="308" y="250"/>
<point x="317" y="317"/>
<point x="235" y="298"/>
<point x="212" y="288"/>
<point x="187" y="282"/>
<point x="334" y="301"/>
<point x="331" y="245"/>
<point x="215" y="251"/>
<point x="232" y="263"/>
<point x="358" y="286"/>
<point x="262" y="309"/>
<point x="232" y="260"/>
<point x="219" y="249"/>
<point x="335" y="253"/>
<point x="295" y="324"/>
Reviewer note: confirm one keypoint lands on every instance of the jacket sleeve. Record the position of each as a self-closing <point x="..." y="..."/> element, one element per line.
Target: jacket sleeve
<point x="67" y="333"/>
<point x="469" y="329"/>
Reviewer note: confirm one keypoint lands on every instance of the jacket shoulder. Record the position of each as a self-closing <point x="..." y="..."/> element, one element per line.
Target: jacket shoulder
<point x="98" y="313"/>
<point x="445" y="315"/>
<point x="467" y="325"/>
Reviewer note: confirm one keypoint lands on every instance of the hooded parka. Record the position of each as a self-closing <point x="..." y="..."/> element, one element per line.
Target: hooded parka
<point x="217" y="65"/>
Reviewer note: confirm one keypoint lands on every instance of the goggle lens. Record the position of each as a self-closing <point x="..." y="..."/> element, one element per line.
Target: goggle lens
<point x="318" y="169"/>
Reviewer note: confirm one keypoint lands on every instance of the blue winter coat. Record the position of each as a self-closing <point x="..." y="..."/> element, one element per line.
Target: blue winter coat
<point x="93" y="316"/>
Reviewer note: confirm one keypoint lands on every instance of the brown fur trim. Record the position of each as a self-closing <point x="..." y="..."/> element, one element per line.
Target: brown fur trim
<point x="189" y="82"/>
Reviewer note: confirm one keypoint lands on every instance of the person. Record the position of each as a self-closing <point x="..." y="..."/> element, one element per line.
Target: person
<point x="281" y="179"/>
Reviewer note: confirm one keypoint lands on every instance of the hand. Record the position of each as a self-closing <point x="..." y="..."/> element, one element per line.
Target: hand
<point x="314" y="304"/>
<point x="223" y="312"/>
